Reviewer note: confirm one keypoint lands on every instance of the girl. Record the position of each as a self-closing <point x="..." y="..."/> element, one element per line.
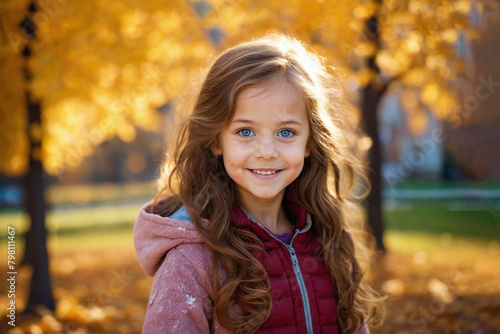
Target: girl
<point x="252" y="229"/>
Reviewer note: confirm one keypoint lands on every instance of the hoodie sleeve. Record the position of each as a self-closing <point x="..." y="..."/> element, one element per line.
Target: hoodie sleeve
<point x="179" y="302"/>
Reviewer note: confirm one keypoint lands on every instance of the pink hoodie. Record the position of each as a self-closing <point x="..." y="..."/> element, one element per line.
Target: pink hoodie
<point x="171" y="250"/>
<point x="181" y="297"/>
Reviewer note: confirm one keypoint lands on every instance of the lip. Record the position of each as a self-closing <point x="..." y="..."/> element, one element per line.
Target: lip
<point x="268" y="176"/>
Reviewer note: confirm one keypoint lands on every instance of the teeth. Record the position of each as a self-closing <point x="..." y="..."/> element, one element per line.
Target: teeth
<point x="264" y="172"/>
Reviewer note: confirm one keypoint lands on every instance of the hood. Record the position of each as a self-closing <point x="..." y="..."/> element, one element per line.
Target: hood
<point x="154" y="236"/>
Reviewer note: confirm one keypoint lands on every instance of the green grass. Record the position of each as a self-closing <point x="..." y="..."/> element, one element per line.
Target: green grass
<point x="98" y="227"/>
<point x="98" y="193"/>
<point x="423" y="184"/>
<point x="80" y="220"/>
<point x="436" y="219"/>
<point x="445" y="244"/>
<point x="412" y="227"/>
<point x="103" y="239"/>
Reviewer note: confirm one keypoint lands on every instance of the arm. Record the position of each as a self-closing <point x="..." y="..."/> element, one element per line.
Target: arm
<point x="179" y="302"/>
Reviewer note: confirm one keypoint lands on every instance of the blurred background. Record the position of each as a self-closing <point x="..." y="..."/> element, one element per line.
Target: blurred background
<point x="87" y="89"/>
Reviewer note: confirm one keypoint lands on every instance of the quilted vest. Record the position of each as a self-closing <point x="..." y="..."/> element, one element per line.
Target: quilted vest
<point x="301" y="288"/>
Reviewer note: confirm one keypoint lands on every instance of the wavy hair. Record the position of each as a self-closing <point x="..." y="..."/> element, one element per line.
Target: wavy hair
<point x="195" y="177"/>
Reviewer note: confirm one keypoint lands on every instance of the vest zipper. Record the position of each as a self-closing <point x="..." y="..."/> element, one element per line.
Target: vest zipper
<point x="296" y="269"/>
<point x="302" y="287"/>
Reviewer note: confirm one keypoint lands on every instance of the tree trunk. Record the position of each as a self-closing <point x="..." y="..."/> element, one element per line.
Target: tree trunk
<point x="371" y="98"/>
<point x="36" y="253"/>
<point x="36" y="241"/>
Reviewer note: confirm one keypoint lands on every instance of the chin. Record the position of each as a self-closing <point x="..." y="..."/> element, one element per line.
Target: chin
<point x="266" y="196"/>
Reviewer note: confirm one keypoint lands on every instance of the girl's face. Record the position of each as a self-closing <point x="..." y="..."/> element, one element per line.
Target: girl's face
<point x="265" y="144"/>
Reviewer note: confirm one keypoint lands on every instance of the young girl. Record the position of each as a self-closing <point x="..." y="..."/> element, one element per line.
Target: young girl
<point x="252" y="229"/>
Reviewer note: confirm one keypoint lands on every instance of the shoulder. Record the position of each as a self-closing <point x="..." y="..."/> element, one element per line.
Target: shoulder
<point x="186" y="270"/>
<point x="194" y="263"/>
<point x="180" y="298"/>
<point x="195" y="257"/>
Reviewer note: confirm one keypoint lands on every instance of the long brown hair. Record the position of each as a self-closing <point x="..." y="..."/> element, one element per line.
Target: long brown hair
<point x="194" y="176"/>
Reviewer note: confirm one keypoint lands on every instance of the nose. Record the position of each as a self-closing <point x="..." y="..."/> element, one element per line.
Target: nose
<point x="266" y="147"/>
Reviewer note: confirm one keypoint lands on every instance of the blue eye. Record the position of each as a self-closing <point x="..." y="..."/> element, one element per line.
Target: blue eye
<point x="286" y="133"/>
<point x="245" y="132"/>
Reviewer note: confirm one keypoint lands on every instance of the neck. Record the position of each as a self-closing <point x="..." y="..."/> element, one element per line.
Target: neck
<point x="269" y="214"/>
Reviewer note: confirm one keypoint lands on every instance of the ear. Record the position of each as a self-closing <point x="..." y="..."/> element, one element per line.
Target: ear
<point x="216" y="150"/>
<point x="307" y="151"/>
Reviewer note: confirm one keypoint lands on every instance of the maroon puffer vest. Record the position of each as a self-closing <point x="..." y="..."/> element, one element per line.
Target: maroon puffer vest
<point x="302" y="293"/>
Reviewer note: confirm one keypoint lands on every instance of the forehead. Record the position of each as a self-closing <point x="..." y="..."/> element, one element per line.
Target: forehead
<point x="271" y="99"/>
<point x="269" y="87"/>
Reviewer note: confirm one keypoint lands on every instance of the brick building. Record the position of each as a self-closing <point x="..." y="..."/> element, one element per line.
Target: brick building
<point x="474" y="146"/>
<point x="465" y="148"/>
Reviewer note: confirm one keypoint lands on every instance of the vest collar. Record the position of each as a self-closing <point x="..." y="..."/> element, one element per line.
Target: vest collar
<point x="296" y="212"/>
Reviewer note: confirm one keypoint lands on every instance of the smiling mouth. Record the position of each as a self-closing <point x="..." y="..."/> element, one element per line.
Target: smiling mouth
<point x="265" y="172"/>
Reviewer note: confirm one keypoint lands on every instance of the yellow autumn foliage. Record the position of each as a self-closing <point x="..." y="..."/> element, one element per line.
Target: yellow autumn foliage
<point x="101" y="68"/>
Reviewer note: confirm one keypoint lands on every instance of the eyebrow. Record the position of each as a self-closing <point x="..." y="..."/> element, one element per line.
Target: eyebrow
<point x="285" y="122"/>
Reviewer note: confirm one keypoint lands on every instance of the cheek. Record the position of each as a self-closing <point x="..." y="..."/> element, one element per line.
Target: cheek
<point x="296" y="155"/>
<point x="299" y="165"/>
<point x="233" y="158"/>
